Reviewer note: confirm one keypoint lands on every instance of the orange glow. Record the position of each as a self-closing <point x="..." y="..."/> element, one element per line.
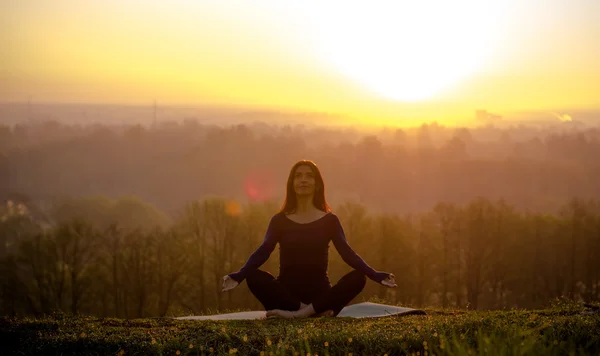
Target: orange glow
<point x="385" y="63"/>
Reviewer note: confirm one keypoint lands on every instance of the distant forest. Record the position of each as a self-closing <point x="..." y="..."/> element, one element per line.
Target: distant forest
<point x="391" y="171"/>
<point x="134" y="221"/>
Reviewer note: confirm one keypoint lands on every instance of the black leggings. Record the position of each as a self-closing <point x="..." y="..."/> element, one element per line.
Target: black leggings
<point x="276" y="294"/>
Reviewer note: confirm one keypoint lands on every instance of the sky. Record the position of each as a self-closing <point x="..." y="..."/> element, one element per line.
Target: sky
<point x="380" y="61"/>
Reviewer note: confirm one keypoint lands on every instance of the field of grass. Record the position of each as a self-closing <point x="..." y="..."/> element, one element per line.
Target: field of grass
<point x="564" y="329"/>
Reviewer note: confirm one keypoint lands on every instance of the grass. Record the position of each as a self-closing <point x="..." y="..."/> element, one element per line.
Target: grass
<point x="559" y="330"/>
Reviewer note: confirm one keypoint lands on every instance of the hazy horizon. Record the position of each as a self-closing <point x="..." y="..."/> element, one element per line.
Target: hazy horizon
<point x="155" y="112"/>
<point x="407" y="62"/>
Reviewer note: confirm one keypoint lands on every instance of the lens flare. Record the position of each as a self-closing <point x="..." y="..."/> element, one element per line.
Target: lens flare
<point x="233" y="208"/>
<point x="259" y="185"/>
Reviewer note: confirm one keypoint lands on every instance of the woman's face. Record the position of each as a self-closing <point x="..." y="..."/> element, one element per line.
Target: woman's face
<point x="304" y="181"/>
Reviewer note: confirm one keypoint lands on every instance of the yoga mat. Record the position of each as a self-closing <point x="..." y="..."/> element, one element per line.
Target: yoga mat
<point x="359" y="310"/>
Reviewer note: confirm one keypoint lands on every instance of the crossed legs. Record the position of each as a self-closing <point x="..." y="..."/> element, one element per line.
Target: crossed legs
<point x="270" y="292"/>
<point x="278" y="301"/>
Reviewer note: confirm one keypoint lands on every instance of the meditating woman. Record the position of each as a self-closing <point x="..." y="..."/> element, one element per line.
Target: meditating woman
<point x="303" y="228"/>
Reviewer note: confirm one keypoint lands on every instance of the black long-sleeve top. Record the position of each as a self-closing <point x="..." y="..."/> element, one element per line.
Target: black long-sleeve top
<point x="304" y="249"/>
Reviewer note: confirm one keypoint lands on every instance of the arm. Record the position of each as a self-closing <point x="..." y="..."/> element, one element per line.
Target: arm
<point x="351" y="257"/>
<point x="260" y="255"/>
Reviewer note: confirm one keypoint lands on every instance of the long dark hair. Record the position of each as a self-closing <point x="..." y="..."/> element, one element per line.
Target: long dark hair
<point x="289" y="205"/>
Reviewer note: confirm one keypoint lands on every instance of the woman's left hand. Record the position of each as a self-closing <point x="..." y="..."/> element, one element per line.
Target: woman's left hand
<point x="390" y="281"/>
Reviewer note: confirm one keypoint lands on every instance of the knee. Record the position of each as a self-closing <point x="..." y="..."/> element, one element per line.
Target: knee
<point x="358" y="277"/>
<point x="256" y="277"/>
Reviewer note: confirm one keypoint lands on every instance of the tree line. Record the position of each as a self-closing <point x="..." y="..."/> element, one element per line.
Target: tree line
<point x="395" y="170"/>
<point x="89" y="256"/>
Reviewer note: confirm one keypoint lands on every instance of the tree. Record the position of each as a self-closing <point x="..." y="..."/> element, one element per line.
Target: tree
<point x="503" y="229"/>
<point x="76" y="243"/>
<point x="391" y="242"/>
<point x="574" y="214"/>
<point x="447" y="220"/>
<point x="358" y="228"/>
<point x="222" y="229"/>
<point x="479" y="216"/>
<point x="139" y="271"/>
<point x="171" y="264"/>
<point x="38" y="263"/>
<point x="127" y="212"/>
<point x="16" y="224"/>
<point x="193" y="225"/>
<point x="109" y="267"/>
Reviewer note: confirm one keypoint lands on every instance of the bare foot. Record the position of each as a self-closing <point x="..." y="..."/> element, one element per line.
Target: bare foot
<point x="325" y="313"/>
<point x="302" y="305"/>
<point x="277" y="313"/>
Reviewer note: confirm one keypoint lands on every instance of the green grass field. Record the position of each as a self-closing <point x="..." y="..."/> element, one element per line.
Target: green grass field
<point x="563" y="329"/>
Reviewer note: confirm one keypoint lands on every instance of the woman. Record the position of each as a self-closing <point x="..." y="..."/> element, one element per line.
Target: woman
<point x="303" y="228"/>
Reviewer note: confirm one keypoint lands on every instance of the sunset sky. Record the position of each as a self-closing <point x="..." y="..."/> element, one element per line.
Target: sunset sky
<point x="381" y="60"/>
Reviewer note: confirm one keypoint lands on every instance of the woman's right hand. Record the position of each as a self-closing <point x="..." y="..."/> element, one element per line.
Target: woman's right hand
<point x="229" y="283"/>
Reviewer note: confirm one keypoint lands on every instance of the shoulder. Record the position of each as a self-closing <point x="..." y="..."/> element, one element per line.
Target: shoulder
<point x="277" y="219"/>
<point x="279" y="215"/>
<point x="275" y="225"/>
<point x="332" y="218"/>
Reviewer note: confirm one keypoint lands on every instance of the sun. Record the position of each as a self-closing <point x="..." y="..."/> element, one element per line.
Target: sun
<point x="405" y="50"/>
